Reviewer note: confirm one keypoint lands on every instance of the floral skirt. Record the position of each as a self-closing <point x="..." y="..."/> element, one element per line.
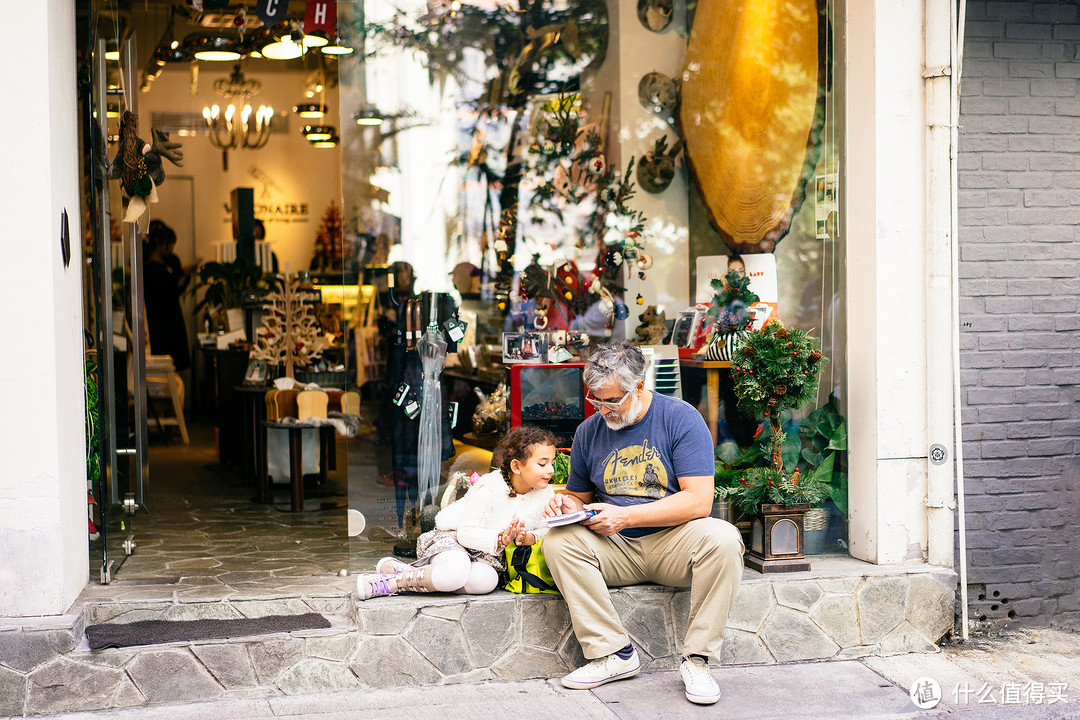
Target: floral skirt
<point x="434" y="542"/>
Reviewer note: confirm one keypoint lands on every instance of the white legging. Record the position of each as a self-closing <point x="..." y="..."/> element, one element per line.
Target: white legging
<point x="455" y="571"/>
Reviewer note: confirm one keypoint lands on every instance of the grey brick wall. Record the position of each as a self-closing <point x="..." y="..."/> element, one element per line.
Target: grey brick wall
<point x="1020" y="296"/>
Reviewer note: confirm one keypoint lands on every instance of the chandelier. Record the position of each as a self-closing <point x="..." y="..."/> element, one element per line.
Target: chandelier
<point x="234" y="129"/>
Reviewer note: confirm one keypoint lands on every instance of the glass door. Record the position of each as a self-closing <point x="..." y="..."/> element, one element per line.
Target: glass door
<point x="117" y="458"/>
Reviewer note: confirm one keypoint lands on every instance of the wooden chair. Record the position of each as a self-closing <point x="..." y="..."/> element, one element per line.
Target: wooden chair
<point x="302" y="405"/>
<point x="162" y="380"/>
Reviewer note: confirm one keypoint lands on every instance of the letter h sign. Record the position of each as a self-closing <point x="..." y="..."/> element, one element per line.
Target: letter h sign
<point x="321" y="15"/>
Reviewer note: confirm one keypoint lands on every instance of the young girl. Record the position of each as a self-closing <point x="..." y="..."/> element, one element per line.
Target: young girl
<point x="464" y="553"/>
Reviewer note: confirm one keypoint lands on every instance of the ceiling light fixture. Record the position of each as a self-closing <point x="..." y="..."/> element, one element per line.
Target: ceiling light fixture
<point x="231" y="129"/>
<point x="369" y="116"/>
<point x="213" y="48"/>
<point x="310" y="110"/>
<point x="236" y="85"/>
<point x="336" y="48"/>
<point x="329" y="142"/>
<point x="318" y="132"/>
<point x="229" y="132"/>
<point x="315" y="39"/>
<point x="284" y="42"/>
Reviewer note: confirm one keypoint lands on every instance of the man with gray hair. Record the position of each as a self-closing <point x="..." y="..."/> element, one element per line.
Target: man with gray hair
<point x="644" y="465"/>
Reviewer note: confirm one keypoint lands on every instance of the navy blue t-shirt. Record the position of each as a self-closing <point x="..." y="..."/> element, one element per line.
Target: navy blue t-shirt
<point x="644" y="461"/>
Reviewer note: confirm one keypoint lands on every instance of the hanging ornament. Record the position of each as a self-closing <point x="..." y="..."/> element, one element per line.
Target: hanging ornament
<point x="621" y="311"/>
<point x="616" y="258"/>
<point x="320" y="15"/>
<point x="271" y="12"/>
<point x="644" y="261"/>
<point x="641" y="275"/>
<point x="606" y="306"/>
<point x="640" y="300"/>
<point x="596" y="165"/>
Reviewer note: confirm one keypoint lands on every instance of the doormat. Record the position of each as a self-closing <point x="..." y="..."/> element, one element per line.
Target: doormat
<point x="156" y="632"/>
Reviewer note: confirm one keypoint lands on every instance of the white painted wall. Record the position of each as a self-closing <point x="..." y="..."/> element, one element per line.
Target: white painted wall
<point x="885" y="210"/>
<point x="634" y="51"/>
<point x="43" y="531"/>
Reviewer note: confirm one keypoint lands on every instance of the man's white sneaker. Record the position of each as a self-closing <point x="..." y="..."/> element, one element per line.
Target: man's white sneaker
<point x="603" y="670"/>
<point x="700" y="686"/>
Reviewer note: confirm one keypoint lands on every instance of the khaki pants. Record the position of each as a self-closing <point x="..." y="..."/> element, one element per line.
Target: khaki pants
<point x="705" y="554"/>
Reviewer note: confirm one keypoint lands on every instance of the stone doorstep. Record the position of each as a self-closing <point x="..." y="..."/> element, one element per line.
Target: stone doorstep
<point x="843" y="609"/>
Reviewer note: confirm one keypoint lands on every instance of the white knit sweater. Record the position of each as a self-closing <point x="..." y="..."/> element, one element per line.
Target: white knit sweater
<point x="487" y="509"/>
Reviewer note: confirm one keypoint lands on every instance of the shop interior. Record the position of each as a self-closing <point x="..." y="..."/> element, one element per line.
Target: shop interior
<point x="330" y="259"/>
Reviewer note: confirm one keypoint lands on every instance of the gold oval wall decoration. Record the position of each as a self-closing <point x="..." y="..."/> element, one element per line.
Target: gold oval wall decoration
<point x="752" y="112"/>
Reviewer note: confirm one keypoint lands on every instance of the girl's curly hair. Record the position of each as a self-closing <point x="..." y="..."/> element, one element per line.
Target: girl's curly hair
<point x="518" y="445"/>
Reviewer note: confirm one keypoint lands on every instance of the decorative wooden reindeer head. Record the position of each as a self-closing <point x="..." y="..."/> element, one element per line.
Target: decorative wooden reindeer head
<point x="657" y="169"/>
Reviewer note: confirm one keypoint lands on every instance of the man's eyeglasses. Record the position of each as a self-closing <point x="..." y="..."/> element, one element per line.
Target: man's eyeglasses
<point x="610" y="405"/>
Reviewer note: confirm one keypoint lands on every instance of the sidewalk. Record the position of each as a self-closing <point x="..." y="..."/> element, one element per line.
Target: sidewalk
<point x="1033" y="674"/>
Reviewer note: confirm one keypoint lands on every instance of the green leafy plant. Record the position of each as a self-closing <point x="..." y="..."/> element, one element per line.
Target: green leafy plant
<point x="224" y="283"/>
<point x="562" y="469"/>
<point x="732" y="298"/>
<point x="823" y="435"/>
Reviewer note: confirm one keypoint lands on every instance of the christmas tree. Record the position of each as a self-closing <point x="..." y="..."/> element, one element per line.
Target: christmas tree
<point x="329" y="245"/>
<point x="290" y="334"/>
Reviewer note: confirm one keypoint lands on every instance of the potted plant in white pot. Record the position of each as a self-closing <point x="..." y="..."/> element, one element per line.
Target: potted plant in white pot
<point x="776" y="369"/>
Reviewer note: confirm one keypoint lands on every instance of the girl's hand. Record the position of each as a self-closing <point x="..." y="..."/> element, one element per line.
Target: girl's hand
<point x="525" y="538"/>
<point x="511" y="532"/>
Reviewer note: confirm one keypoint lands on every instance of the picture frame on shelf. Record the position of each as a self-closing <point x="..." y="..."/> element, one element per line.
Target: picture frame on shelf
<point x="257" y="373"/>
<point x="524" y="347"/>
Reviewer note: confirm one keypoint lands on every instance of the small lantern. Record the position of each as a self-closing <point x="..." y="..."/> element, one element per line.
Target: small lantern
<point x="776" y="539"/>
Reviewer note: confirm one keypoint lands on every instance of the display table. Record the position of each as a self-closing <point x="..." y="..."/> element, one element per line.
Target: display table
<point x="296" y="458"/>
<point x="712" y="370"/>
<point x="253" y="458"/>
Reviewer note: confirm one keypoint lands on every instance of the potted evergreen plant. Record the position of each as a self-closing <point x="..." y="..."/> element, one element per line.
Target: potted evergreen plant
<point x="776" y="369"/>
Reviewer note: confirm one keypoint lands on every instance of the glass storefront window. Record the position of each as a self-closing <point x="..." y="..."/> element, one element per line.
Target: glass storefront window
<point x="529" y="166"/>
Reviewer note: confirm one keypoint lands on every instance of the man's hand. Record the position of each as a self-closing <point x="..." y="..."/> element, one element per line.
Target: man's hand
<point x="608" y="520"/>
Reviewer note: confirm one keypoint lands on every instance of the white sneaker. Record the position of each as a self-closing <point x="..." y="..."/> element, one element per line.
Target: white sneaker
<point x="701" y="688"/>
<point x="392" y="566"/>
<point x="603" y="670"/>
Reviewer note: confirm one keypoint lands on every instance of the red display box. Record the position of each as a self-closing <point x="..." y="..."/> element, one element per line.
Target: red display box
<point x="551" y="396"/>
